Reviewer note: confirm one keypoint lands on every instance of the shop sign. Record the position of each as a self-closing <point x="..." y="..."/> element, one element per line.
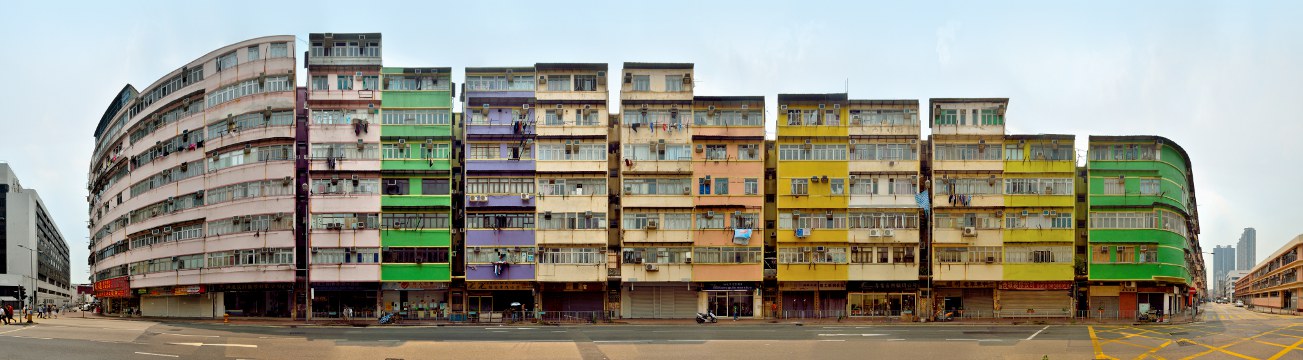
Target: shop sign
<point x="883" y="286"/>
<point x="499" y="285"/>
<point x="414" y="285"/>
<point x="968" y="285"/>
<point x="250" y="287"/>
<point x="1035" y="285"/>
<point x="812" y="285"/>
<point x="188" y="290"/>
<point x="344" y="286"/>
<point x="728" y="286"/>
<point x="118" y="287"/>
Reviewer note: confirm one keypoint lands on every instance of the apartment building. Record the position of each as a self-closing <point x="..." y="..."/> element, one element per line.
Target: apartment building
<point x="883" y="213"/>
<point x="656" y="202"/>
<point x="499" y="174"/>
<point x="415" y="183"/>
<point x="968" y="203"/>
<point x="1143" y="234"/>
<point x="191" y="188"/>
<point x="572" y="204"/>
<point x="1274" y="284"/>
<point x="343" y="104"/>
<point x="1038" y="227"/>
<point x="34" y="263"/>
<point x="813" y="248"/>
<point x="728" y="134"/>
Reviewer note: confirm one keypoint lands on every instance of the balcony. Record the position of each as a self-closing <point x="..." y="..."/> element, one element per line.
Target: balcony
<point x="416" y="201"/>
<point x="883" y="272"/>
<point x="571" y="166"/>
<point x="656" y="272"/>
<point x="683" y="166"/>
<point x="727" y="272"/>
<point x="416" y="272"/>
<point x="572" y="272"/>
<point x="416" y="131"/>
<point x="416" y="237"/>
<point x="657" y="201"/>
<point x="980" y="200"/>
<point x="344" y="56"/>
<point x="511" y="271"/>
<point x="344" y="95"/>
<point x="978" y="237"/>
<point x="499" y="200"/>
<point x="814" y="272"/>
<point x="968" y="165"/>
<point x="968" y="272"/>
<point x="816" y="236"/>
<point x="867" y="166"/>
<point x="657" y="236"/>
<point x="416" y="164"/>
<point x="550" y="237"/>
<point x="901" y="236"/>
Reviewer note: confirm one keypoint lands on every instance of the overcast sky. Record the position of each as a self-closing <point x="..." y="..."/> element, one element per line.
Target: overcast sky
<point x="1224" y="80"/>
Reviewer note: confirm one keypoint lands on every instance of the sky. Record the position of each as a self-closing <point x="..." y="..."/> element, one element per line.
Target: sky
<point x="1222" y="79"/>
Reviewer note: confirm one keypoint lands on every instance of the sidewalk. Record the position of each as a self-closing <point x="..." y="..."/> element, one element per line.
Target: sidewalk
<point x="284" y="322"/>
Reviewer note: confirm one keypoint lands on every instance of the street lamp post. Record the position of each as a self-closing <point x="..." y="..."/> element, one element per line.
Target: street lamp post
<point x="34" y="286"/>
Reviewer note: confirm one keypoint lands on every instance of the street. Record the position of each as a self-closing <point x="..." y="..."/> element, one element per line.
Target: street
<point x="1226" y="333"/>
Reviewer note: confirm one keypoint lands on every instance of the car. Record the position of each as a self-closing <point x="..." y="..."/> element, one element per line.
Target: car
<point x="1239" y="303"/>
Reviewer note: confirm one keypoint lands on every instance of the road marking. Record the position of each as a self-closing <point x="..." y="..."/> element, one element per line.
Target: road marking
<point x="226" y="345"/>
<point x="1293" y="347"/>
<point x="1038" y="332"/>
<point x="687" y="340"/>
<point x="164" y="355"/>
<point x="207" y="336"/>
<point x="895" y="339"/>
<point x="961" y="339"/>
<point x="620" y="341"/>
<point x="832" y="340"/>
<point x="1094" y="342"/>
<point x="852" y="334"/>
<point x="18" y="329"/>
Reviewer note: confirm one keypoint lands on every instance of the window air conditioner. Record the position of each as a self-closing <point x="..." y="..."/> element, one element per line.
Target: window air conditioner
<point x="888" y="232"/>
<point x="970" y="231"/>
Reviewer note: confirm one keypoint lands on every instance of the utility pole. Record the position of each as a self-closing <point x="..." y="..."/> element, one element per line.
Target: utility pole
<point x="35" y="289"/>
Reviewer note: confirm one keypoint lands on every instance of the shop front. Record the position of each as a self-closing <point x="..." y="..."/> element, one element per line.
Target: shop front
<point x="974" y="299"/>
<point x="573" y="297"/>
<point x="185" y="301"/>
<point x="253" y="299"/>
<point x="1035" y="299"/>
<point x="115" y="296"/>
<point x="813" y="299"/>
<point x="882" y="299"/>
<point x="336" y="299"/>
<point x="659" y="300"/>
<point x="496" y="301"/>
<point x="416" y="300"/>
<point x="737" y="298"/>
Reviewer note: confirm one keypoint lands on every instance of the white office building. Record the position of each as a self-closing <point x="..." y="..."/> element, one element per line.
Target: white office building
<point x="27" y="235"/>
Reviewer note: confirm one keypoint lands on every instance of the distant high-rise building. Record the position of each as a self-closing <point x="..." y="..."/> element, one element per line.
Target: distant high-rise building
<point x="1246" y="257"/>
<point x="1223" y="263"/>
<point x="27" y="234"/>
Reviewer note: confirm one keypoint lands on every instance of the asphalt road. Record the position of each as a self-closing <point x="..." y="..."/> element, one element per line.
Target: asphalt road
<point x="1226" y="327"/>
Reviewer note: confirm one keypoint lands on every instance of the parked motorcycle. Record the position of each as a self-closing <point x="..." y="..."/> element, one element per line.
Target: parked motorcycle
<point x="706" y="317"/>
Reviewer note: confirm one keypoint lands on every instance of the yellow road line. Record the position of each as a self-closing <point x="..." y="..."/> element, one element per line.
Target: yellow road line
<point x="1094" y="342"/>
<point x="1293" y="347"/>
<point x="1154" y="350"/>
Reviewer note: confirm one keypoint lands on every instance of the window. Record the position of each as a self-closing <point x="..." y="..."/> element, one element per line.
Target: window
<point x="969" y="186"/>
<point x="965" y="152"/>
<point x="657" y="255"/>
<point x="1013" y="152"/>
<point x="226" y="61"/>
<point x="573" y="186"/>
<point x="500" y="220"/>
<point x="250" y="223"/>
<point x="397" y="187"/>
<point x="345" y="255"/>
<point x="571" y="256"/>
<point x="572" y="221"/>
<point x="710" y="220"/>
<point x="963" y="220"/>
<point x="1038" y="254"/>
<point x="1149" y="186"/>
<point x="500" y="186"/>
<point x="673" y="83"/>
<point x="344" y="82"/>
<point x="659" y="152"/>
<point x="319" y="83"/>
<point x="558" y="82"/>
<point x="1123" y="220"/>
<point x="990" y="117"/>
<point x="414" y="117"/>
<point x="642" y="83"/>
<point x="249" y="87"/>
<point x="554" y="117"/>
<point x="485" y="255"/>
<point x="812" y="152"/>
<point x="665" y="221"/>
<point x="721" y="186"/>
<point x="434" y="186"/>
<point x="800" y="186"/>
<point x="1115" y="186"/>
<point x="901" y="186"/>
<point x="657" y="186"/>
<point x="837" y="186"/>
<point x="414" y="221"/>
<point x="883" y="152"/>
<point x="819" y="219"/>
<point x="1121" y="152"/>
<point x="882" y="220"/>
<point x="728" y="118"/>
<point x="253" y="53"/>
<point x="748" y="152"/>
<point x="947" y="117"/>
<point x="417" y="255"/>
<point x="716" y="152"/>
<point x="969" y="254"/>
<point x="1051" y="152"/>
<point x="751" y="186"/>
<point x="278" y="50"/>
<point x="585" y="83"/>
<point x="1022" y="186"/>
<point x="726" y="255"/>
<point x="886" y="117"/>
<point x="322" y="151"/>
<point x="812" y="255"/>
<point x="371" y="82"/>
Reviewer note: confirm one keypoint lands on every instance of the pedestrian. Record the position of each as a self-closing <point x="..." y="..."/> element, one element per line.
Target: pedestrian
<point x="9" y="313"/>
<point x="4" y="315"/>
<point x="736" y="312"/>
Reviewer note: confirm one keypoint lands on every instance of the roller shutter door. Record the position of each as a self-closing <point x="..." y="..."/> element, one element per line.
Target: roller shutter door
<point x="663" y="302"/>
<point x="979" y="302"/>
<point x="1015" y="303"/>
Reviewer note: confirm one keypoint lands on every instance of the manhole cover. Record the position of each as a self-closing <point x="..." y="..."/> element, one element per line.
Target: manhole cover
<point x="1184" y="343"/>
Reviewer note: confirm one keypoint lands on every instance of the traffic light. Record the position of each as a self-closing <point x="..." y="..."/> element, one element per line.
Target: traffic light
<point x="22" y="294"/>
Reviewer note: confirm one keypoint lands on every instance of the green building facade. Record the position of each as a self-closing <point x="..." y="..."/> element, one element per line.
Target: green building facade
<point x="1143" y="231"/>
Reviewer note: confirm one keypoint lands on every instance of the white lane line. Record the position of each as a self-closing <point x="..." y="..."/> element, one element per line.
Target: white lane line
<point x="961" y="339"/>
<point x="989" y="340"/>
<point x="207" y="336"/>
<point x="1038" y="332"/>
<point x="620" y="341"/>
<point x="895" y="339"/>
<point x="18" y="329"/>
<point x="852" y="334"/>
<point x="832" y="340"/>
<point x="389" y="340"/>
<point x="225" y="345"/>
<point x="687" y="340"/>
<point x="153" y="354"/>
